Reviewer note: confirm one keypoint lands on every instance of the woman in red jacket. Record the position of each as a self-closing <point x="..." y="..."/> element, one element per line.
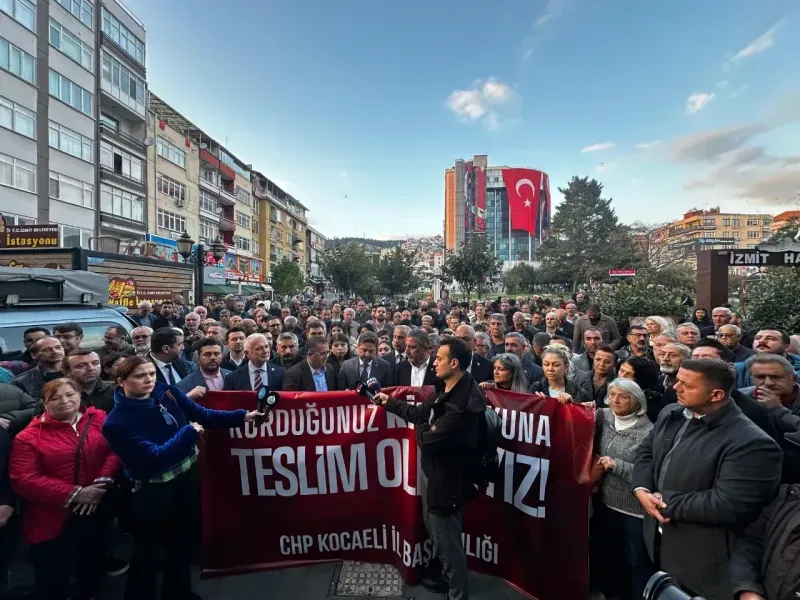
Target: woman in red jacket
<point x="61" y="467"/>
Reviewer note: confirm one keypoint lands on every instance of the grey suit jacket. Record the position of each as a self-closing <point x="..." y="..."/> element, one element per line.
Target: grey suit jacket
<point x="350" y="373"/>
<point x="195" y="378"/>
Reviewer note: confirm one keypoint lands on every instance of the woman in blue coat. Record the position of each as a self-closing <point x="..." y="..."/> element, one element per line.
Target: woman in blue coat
<point x="154" y="428"/>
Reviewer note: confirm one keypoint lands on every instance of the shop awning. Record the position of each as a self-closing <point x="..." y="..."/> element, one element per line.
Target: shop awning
<point x="215" y="290"/>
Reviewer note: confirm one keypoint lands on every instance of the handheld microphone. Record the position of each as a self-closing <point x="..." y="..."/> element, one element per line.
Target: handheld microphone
<point x="266" y="402"/>
<point x="663" y="586"/>
<point x="369" y="388"/>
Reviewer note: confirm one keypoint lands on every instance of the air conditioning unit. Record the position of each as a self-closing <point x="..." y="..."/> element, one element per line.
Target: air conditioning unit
<point x="180" y="202"/>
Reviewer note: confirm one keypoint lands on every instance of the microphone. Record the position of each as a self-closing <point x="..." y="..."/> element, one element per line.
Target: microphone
<point x="266" y="402"/>
<point x="662" y="586"/>
<point x="369" y="388"/>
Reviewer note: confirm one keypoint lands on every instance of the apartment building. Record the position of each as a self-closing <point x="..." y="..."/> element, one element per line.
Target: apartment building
<point x="283" y="223"/>
<point x="173" y="163"/>
<point x="315" y="245"/>
<point x="66" y="67"/>
<point x="784" y="219"/>
<point x="712" y="229"/>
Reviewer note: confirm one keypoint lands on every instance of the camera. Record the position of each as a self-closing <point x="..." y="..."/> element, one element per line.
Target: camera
<point x="662" y="586"/>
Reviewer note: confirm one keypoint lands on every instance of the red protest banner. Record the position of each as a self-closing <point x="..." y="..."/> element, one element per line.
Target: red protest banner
<point x="330" y="477"/>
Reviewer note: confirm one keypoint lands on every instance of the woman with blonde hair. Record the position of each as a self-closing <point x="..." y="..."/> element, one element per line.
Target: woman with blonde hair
<point x="557" y="382"/>
<point x="657" y="326"/>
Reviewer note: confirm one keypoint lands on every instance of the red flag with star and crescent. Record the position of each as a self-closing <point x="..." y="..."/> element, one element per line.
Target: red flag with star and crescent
<point x="522" y="186"/>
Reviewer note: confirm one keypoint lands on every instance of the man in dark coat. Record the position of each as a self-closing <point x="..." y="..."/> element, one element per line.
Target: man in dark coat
<point x="418" y="370"/>
<point x="702" y="474"/>
<point x="366" y="365"/>
<point x="313" y="374"/>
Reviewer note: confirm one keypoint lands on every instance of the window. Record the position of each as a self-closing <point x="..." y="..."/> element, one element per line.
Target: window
<point x="123" y="37"/>
<point x="255" y="226"/>
<point x="123" y="83"/>
<point x="752" y="221"/>
<point x="17" y="173"/>
<point x="171" y="221"/>
<point x="120" y="203"/>
<point x="256" y="247"/>
<point x="74" y="237"/>
<point x="70" y="93"/>
<point x="172" y="153"/>
<point x="277" y="216"/>
<point x="242" y="219"/>
<point x="109" y="122"/>
<point x="17" y="61"/>
<point x="211" y="177"/>
<point x="71" y="190"/>
<point x="208" y="201"/>
<point x="21" y="10"/>
<point x="231" y="162"/>
<point x="17" y="118"/>
<point x="71" y="45"/>
<point x="753" y="235"/>
<point x="726" y="222"/>
<point x="71" y="142"/>
<point x="208" y="229"/>
<point x="736" y="235"/>
<point x="170" y="187"/>
<point x="83" y="10"/>
<point x="708" y="222"/>
<point x="121" y="162"/>
<point x="243" y="243"/>
<point x="242" y="195"/>
<point x="737" y="223"/>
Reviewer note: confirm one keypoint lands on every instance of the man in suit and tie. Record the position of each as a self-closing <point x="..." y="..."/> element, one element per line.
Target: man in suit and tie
<point x="165" y="351"/>
<point x="480" y="368"/>
<point x="365" y="365"/>
<point x="398" y="353"/>
<point x="209" y="375"/>
<point x="418" y="370"/>
<point x="314" y="374"/>
<point x="257" y="372"/>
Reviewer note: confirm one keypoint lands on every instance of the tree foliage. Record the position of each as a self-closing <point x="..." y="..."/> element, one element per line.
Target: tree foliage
<point x="368" y="242"/>
<point x="773" y="301"/>
<point x="287" y="278"/>
<point x="586" y="238"/>
<point x="789" y="230"/>
<point x="347" y="267"/>
<point x="521" y="278"/>
<point x="398" y="273"/>
<point x="472" y="264"/>
<point x="642" y="296"/>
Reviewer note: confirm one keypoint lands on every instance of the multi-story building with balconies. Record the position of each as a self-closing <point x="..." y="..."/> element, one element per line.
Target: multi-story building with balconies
<point x="315" y="246"/>
<point x="73" y="105"/>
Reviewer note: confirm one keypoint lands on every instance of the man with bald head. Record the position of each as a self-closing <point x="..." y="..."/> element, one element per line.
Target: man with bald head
<point x="257" y="372"/>
<point x="49" y="354"/>
<point x="480" y="368"/>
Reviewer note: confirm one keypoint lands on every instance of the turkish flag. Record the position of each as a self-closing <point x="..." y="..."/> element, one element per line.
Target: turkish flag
<point x="522" y="186"/>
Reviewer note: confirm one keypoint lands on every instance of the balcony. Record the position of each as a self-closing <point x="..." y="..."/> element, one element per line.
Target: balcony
<point x="123" y="138"/>
<point x="226" y="197"/>
<point x="259" y="193"/>
<point x="111" y="176"/>
<point x="226" y="224"/>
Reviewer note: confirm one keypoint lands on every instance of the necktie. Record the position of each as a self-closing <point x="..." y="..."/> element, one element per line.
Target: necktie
<point x="364" y="370"/>
<point x="400" y="358"/>
<point x="170" y="376"/>
<point x="258" y="382"/>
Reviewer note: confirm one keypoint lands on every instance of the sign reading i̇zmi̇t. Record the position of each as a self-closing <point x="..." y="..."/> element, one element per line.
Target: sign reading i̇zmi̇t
<point x="758" y="258"/>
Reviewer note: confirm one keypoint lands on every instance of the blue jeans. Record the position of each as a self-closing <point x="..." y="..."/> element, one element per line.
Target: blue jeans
<point x="619" y="564"/>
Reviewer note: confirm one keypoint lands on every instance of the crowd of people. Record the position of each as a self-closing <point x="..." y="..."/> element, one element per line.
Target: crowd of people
<point x="697" y="431"/>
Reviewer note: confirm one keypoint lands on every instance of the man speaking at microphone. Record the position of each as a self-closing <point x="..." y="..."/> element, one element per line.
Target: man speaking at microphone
<point x="448" y="435"/>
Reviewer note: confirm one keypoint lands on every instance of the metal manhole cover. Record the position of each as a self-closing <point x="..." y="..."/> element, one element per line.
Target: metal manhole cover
<point x="370" y="580"/>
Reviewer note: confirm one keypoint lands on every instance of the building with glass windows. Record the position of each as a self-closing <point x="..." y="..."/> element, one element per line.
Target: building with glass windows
<point x="73" y="112"/>
<point x="476" y="203"/>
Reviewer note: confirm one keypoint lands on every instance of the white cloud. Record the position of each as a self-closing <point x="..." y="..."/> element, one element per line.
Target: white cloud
<point x="552" y="10"/>
<point x="697" y="101"/>
<point x="763" y="42"/>
<point x="486" y="101"/>
<point x="648" y="145"/>
<point x="598" y="147"/>
<point x="738" y="91"/>
<point x="606" y="167"/>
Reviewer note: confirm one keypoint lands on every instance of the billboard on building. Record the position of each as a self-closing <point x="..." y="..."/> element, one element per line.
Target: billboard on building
<point x="480" y="199"/>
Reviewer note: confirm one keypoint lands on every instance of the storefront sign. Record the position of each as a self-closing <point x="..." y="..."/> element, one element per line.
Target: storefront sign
<point x="756" y="258"/>
<point x="28" y="236"/>
<point x="622" y="272"/>
<point x="214" y="275"/>
<point x="124" y="292"/>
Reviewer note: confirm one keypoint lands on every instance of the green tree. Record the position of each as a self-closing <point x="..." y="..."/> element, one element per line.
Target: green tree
<point x="472" y="264"/>
<point x="347" y="267"/>
<point x="287" y="278"/>
<point x="789" y="229"/>
<point x="641" y="296"/>
<point x="586" y="238"/>
<point x="774" y="301"/>
<point x="521" y="278"/>
<point x="398" y="272"/>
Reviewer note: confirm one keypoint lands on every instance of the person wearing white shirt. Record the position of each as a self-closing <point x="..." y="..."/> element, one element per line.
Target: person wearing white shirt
<point x="418" y="369"/>
<point x="256" y="373"/>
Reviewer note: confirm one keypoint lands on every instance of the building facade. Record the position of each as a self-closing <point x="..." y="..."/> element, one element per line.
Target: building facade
<point x="709" y="230"/>
<point x="73" y="106"/>
<point x="315" y="246"/>
<point x="477" y="203"/>
<point x="784" y="219"/>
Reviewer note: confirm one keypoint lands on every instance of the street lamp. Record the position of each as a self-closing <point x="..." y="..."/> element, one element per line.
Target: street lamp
<point x="199" y="258"/>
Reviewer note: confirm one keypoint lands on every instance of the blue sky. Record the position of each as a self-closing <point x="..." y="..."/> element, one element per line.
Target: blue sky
<point x="671" y="105"/>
